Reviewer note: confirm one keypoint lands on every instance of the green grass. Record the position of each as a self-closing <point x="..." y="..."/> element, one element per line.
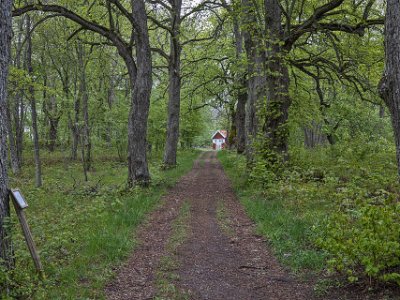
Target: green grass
<point x="310" y="211"/>
<point x="223" y="219"/>
<point x="285" y="221"/>
<point x="83" y="229"/>
<point x="166" y="275"/>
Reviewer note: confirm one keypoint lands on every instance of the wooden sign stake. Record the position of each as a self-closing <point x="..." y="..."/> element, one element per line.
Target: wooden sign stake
<point x="19" y="205"/>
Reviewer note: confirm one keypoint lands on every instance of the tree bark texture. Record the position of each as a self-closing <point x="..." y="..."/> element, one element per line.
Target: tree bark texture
<point x="232" y="130"/>
<point x="278" y="99"/>
<point x="74" y="122"/>
<point x="83" y="95"/>
<point x="241" y="122"/>
<point x="19" y="121"/>
<point x="11" y="142"/>
<point x="256" y="83"/>
<point x="17" y="109"/>
<point x="35" y="133"/>
<point x="54" y="118"/>
<point x="5" y="45"/>
<point x="141" y="81"/>
<point x="174" y="73"/>
<point x="313" y="135"/>
<point x="390" y="84"/>
<point x="53" y="115"/>
<point x="111" y="100"/>
<point x="241" y="89"/>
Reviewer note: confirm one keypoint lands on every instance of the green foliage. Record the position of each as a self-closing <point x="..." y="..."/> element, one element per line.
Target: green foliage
<point x="359" y="230"/>
<point x="281" y="213"/>
<point x="82" y="230"/>
<point x="334" y="207"/>
<point x="362" y="237"/>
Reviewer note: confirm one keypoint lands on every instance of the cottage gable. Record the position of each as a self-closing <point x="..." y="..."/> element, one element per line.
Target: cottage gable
<point x="219" y="139"/>
<point x="218" y="136"/>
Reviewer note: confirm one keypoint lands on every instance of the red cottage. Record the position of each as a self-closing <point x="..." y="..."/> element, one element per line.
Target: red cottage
<point x="219" y="139"/>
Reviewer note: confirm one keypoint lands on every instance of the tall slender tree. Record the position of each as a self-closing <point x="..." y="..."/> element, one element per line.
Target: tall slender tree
<point x="174" y="71"/>
<point x="35" y="130"/>
<point x="240" y="81"/>
<point x="172" y="25"/>
<point x="84" y="98"/>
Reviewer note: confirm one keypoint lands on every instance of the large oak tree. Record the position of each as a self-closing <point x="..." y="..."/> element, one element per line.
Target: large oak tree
<point x="134" y="48"/>
<point x="272" y="32"/>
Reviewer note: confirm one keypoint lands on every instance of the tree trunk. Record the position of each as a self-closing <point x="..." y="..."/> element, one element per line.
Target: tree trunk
<point x="5" y="45"/>
<point x="241" y="90"/>
<point x="83" y="155"/>
<point x="11" y="143"/>
<point x="232" y="132"/>
<point x="313" y="135"/>
<point x="53" y="129"/>
<point x="38" y="168"/>
<point x="19" y="118"/>
<point x="141" y="80"/>
<point x="83" y="95"/>
<point x="241" y="122"/>
<point x="256" y="79"/>
<point x="74" y="122"/>
<point x="54" y="119"/>
<point x="381" y="111"/>
<point x="110" y="101"/>
<point x="53" y="115"/>
<point x="18" y="110"/>
<point x="278" y="99"/>
<point x="174" y="101"/>
<point x="390" y="84"/>
<point x="14" y="157"/>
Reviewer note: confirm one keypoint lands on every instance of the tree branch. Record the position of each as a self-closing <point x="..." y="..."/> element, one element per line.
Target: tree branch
<point x="87" y="24"/>
<point x="161" y="52"/>
<point x="312" y="24"/>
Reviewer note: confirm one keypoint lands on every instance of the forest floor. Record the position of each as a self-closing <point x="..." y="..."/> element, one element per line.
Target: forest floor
<point x="200" y="244"/>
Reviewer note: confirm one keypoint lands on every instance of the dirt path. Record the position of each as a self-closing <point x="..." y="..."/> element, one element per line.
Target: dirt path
<point x="220" y="256"/>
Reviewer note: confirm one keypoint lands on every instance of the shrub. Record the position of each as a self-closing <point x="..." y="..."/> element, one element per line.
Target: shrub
<point x="362" y="237"/>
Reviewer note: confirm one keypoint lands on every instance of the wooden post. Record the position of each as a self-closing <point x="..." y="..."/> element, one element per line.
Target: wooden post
<point x="19" y="205"/>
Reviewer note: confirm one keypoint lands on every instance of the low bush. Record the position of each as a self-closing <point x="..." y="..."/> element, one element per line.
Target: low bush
<point x="332" y="208"/>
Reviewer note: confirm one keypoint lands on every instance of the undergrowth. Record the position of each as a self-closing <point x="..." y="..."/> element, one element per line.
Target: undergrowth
<point x="333" y="209"/>
<point x="82" y="229"/>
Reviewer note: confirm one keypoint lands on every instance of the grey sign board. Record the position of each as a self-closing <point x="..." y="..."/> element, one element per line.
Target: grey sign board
<point x="19" y="199"/>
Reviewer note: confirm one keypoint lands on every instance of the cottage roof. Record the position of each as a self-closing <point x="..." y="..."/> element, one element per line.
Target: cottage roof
<point x="224" y="133"/>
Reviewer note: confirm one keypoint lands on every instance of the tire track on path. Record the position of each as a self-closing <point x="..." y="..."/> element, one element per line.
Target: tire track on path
<point x="213" y="264"/>
<point x="239" y="266"/>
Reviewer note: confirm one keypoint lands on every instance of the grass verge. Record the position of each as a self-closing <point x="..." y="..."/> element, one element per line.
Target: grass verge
<point x="223" y="219"/>
<point x="166" y="275"/>
<point x="82" y="229"/>
<point x="286" y="222"/>
<point x="332" y="209"/>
